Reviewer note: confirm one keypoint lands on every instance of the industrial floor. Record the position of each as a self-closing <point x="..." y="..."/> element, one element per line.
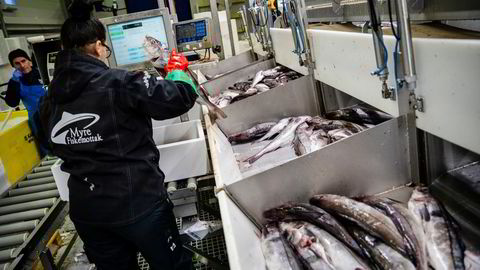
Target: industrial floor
<point x="214" y="246"/>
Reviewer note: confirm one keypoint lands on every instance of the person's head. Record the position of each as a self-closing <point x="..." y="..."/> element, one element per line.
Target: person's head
<point x="20" y="60"/>
<point x="83" y="33"/>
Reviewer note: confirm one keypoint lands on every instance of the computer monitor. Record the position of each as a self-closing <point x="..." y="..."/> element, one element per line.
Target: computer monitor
<point x="126" y="35"/>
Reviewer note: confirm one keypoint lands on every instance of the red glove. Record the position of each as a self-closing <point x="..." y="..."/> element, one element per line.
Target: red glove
<point x="176" y="61"/>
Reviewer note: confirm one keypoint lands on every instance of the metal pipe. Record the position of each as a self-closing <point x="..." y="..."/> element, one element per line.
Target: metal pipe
<point x="13" y="240"/>
<point x="32" y="189"/>
<point x="42" y="169"/>
<point x="29" y="197"/>
<point x="23" y="216"/>
<point x="52" y="158"/>
<point x="14" y="208"/>
<point x="24" y="226"/>
<point x="230" y="29"/>
<point x="35" y="182"/>
<point x="48" y="162"/>
<point x="217" y="34"/>
<point x="406" y="44"/>
<point x="39" y="175"/>
<point x="6" y="254"/>
<point x="243" y="12"/>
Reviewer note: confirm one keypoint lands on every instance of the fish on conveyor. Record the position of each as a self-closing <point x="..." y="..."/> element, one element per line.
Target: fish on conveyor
<point x="251" y="133"/>
<point x="283" y="139"/>
<point x="340" y="134"/>
<point x="271" y="83"/>
<point x="382" y="254"/>
<point x="261" y="87"/>
<point x="316" y="216"/>
<point x="203" y="94"/>
<point x="444" y="248"/>
<point x="277" y="252"/>
<point x="307" y="250"/>
<point x="318" y="140"/>
<point x="335" y="253"/>
<point x="472" y="260"/>
<point x="241" y="86"/>
<point x="365" y="216"/>
<point x="275" y="129"/>
<point x="359" y="115"/>
<point x="258" y="78"/>
<point x="407" y="225"/>
<point x="302" y="143"/>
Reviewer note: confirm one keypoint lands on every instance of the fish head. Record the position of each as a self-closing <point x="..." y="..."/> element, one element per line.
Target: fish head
<point x="153" y="47"/>
<point x="302" y="119"/>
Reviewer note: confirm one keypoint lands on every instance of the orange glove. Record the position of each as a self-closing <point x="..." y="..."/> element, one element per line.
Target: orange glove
<point x="176" y="61"/>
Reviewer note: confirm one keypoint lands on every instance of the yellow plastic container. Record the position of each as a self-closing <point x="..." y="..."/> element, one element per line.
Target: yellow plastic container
<point x="18" y="149"/>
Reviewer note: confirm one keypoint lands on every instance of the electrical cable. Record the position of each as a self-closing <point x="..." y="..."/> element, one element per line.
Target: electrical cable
<point x="376" y="29"/>
<point x="391" y="20"/>
<point x="397" y="37"/>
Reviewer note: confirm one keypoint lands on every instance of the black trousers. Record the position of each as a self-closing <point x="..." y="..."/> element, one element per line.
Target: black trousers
<point x="155" y="236"/>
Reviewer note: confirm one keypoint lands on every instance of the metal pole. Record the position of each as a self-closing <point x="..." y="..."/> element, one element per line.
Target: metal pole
<point x="217" y="34"/>
<point x="229" y="23"/>
<point x="243" y="12"/>
<point x="42" y="169"/>
<point x="14" y="208"/>
<point x="35" y="182"/>
<point x="406" y="44"/>
<point x="4" y="266"/>
<point x="23" y="216"/>
<point x="13" y="240"/>
<point x="47" y="163"/>
<point x="32" y="189"/>
<point x="29" y="197"/>
<point x="18" y="227"/>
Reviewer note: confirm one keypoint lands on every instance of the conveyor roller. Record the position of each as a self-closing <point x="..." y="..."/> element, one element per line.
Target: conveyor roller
<point x="31" y="190"/>
<point x="39" y="175"/>
<point x="4" y="266"/>
<point x="6" y="254"/>
<point x="13" y="240"/>
<point x="18" y="227"/>
<point x="23" y="216"/>
<point x="48" y="163"/>
<point x="45" y="203"/>
<point x="29" y="197"/>
<point x="42" y="169"/>
<point x="35" y="182"/>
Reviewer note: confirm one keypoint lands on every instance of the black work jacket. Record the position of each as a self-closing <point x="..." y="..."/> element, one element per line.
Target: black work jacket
<point x="98" y="120"/>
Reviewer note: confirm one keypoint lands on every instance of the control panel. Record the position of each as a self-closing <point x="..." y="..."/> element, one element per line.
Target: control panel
<point x="193" y="35"/>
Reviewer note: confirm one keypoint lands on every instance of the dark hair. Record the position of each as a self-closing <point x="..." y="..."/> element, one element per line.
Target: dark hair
<point x="17" y="53"/>
<point x="80" y="29"/>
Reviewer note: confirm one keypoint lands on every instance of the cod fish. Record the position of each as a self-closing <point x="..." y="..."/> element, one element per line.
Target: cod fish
<point x="365" y="216"/>
<point x="153" y="47"/>
<point x="316" y="216"/>
<point x="443" y="244"/>
<point x="283" y="139"/>
<point x="334" y="252"/>
<point x="382" y="254"/>
<point x="359" y="115"/>
<point x="339" y="134"/>
<point x="306" y="247"/>
<point x="472" y="260"/>
<point x="251" y="133"/>
<point x="276" y="250"/>
<point x="275" y="129"/>
<point x="318" y="139"/>
<point x="407" y="225"/>
<point x="258" y="78"/>
<point x="262" y="87"/>
<point x="203" y="94"/>
<point x="301" y="143"/>
<point x="271" y="83"/>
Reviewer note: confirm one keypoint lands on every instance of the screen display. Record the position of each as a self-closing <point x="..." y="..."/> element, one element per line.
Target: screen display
<point x="191" y="32"/>
<point x="128" y="39"/>
<point x="11" y="2"/>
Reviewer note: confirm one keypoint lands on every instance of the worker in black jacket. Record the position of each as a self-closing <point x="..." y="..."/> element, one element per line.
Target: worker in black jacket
<point x="98" y="121"/>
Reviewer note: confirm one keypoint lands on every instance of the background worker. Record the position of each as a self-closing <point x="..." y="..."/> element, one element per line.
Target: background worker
<point x="98" y="121"/>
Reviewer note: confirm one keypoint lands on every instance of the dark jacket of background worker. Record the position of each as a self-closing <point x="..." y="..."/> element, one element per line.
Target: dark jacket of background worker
<point x="98" y="120"/>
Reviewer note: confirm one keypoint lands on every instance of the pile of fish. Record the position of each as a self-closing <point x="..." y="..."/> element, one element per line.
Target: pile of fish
<point x="307" y="134"/>
<point x="263" y="81"/>
<point x="336" y="232"/>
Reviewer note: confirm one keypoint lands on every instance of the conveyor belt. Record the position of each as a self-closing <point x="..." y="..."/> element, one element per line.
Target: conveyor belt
<point x="25" y="208"/>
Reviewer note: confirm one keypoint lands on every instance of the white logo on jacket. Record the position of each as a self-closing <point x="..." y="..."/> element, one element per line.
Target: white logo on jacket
<point x="74" y="134"/>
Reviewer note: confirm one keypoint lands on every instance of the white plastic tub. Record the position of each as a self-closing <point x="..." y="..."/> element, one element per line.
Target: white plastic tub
<point x="183" y="150"/>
